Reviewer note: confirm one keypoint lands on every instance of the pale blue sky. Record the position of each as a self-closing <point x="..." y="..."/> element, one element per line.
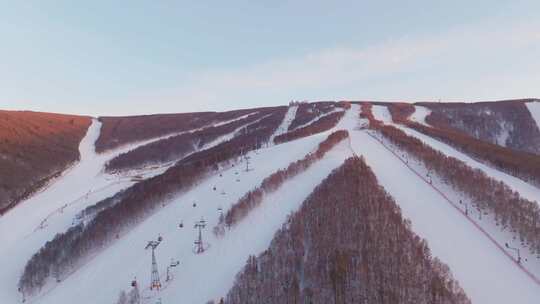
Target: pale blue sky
<point x="133" y="57"/>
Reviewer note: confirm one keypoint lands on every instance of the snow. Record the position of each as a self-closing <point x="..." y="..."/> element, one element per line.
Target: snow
<point x="534" y="108"/>
<point x="485" y="273"/>
<point x="526" y="190"/>
<point x="420" y="115"/>
<point x="381" y="113"/>
<point x="284" y="126"/>
<point x="55" y="207"/>
<point x="209" y="275"/>
<point x="317" y="118"/>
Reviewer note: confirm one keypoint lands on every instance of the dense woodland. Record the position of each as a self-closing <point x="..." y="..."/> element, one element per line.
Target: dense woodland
<point x="322" y="124"/>
<point x="69" y="250"/>
<point x="117" y="131"/>
<point x="506" y="123"/>
<point x="510" y="210"/>
<point x="274" y="181"/>
<point x="34" y="148"/>
<point x="520" y="164"/>
<point x="175" y="147"/>
<point x="307" y="112"/>
<point x="347" y="244"/>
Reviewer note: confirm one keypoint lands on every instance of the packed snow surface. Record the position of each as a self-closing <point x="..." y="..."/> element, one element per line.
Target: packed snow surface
<point x="525" y="189"/>
<point x="33" y="222"/>
<point x="485" y="273"/>
<point x="284" y="126"/>
<point x="420" y="114"/>
<point x="534" y="108"/>
<point x="201" y="277"/>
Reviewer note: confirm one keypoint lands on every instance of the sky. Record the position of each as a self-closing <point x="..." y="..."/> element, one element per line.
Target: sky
<point x="142" y="57"/>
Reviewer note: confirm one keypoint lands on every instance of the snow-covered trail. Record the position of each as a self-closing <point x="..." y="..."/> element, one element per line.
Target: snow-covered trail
<point x="420" y="115"/>
<point x="317" y="118"/>
<point x="525" y="189"/>
<point x="534" y="108"/>
<point x="484" y="272"/>
<point x="284" y="126"/>
<point x="81" y="185"/>
<point x="200" y="277"/>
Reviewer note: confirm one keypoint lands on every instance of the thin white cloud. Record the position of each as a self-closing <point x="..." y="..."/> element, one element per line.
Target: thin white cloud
<point x="465" y="63"/>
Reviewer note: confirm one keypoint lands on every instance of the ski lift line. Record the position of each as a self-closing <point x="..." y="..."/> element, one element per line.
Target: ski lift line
<point x="76" y="201"/>
<point x="533" y="277"/>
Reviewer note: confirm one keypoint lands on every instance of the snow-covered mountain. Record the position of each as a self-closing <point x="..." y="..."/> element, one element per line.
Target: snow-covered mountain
<point x="350" y="202"/>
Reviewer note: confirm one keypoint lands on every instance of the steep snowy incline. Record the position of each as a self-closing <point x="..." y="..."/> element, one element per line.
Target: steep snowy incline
<point x="420" y="115"/>
<point x="287" y="120"/>
<point x="534" y="108"/>
<point x="317" y="118"/>
<point x="526" y="190"/>
<point x="37" y="220"/>
<point x="485" y="273"/>
<point x="126" y="258"/>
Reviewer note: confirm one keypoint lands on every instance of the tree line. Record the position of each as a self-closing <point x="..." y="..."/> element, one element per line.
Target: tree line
<point x="348" y="243"/>
<point x="306" y="112"/>
<point x="510" y="210"/>
<point x="507" y="123"/>
<point x="254" y="198"/>
<point x="520" y="164"/>
<point x="68" y="250"/>
<point x="34" y="149"/>
<point x="118" y="131"/>
<point x="175" y="147"/>
<point x="324" y="123"/>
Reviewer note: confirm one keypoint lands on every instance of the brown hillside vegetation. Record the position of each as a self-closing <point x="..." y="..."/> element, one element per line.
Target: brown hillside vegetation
<point x="520" y="164"/>
<point x="274" y="181"/>
<point x="506" y="123"/>
<point x="127" y="208"/>
<point x="175" y="147"/>
<point x="117" y="131"/>
<point x="308" y="111"/>
<point x="348" y="243"/>
<point x="33" y="148"/>
<point x="320" y="125"/>
<point x="488" y="195"/>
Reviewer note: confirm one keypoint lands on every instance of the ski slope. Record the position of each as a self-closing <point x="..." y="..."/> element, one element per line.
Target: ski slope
<point x="534" y="108"/>
<point x="525" y="189"/>
<point x="200" y="277"/>
<point x="317" y="118"/>
<point x="484" y="272"/>
<point x="284" y="126"/>
<point x="420" y="115"/>
<point x="33" y="222"/>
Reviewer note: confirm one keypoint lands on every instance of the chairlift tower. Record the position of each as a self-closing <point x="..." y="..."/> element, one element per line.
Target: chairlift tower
<point x="199" y="242"/>
<point x="155" y="282"/>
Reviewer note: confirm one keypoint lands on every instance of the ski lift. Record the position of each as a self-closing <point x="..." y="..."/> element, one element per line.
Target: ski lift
<point x="160" y="238"/>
